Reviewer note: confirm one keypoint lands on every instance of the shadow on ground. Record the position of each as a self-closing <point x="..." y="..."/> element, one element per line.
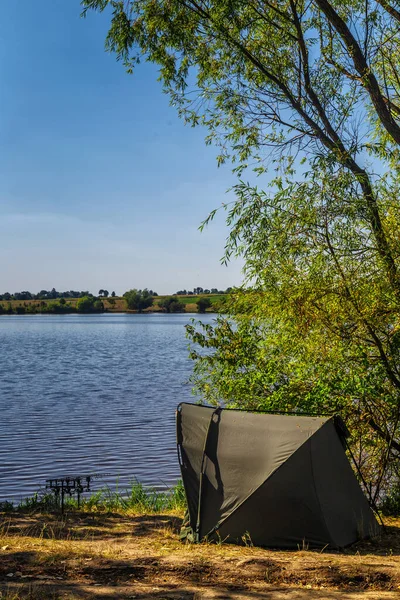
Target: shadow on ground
<point x="92" y="526"/>
<point x="113" y="556"/>
<point x="75" y="526"/>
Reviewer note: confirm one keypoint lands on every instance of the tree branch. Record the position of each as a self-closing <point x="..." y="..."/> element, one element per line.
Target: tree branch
<point x="392" y="11"/>
<point x="360" y="63"/>
<point x="383" y="434"/>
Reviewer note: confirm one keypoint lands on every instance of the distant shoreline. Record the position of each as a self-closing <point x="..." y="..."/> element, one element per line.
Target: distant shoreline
<point x="112" y="305"/>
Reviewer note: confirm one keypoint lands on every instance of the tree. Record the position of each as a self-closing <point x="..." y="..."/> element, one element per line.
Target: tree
<point x="23" y="296"/>
<point x="310" y="93"/>
<point x="58" y="307"/>
<point x="101" y="292"/>
<point x="89" y="304"/>
<point x="171" y="304"/>
<point x="203" y="304"/>
<point x="98" y="306"/>
<point x="138" y="299"/>
<point x="105" y="293"/>
<point x="113" y="294"/>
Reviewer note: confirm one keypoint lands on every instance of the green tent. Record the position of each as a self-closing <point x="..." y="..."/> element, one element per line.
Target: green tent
<point x="281" y="481"/>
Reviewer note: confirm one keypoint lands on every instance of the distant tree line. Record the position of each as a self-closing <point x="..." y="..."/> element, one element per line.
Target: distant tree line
<point x="44" y="295"/>
<point x="106" y="293"/>
<point x="199" y="290"/>
<point x="136" y="299"/>
<point x="141" y="299"/>
<point x="86" y="304"/>
<point x="53" y="294"/>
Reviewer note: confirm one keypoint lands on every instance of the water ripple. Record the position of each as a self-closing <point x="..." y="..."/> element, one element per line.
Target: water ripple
<point x="90" y="394"/>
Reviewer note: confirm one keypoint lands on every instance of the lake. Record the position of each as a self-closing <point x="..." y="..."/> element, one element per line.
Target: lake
<point x="84" y="394"/>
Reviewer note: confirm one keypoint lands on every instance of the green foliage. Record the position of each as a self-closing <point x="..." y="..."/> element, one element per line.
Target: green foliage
<point x="171" y="304"/>
<point x="137" y="498"/>
<point x="89" y="304"/>
<point x="287" y="88"/>
<point x="58" y="307"/>
<point x="390" y="506"/>
<point x="85" y="304"/>
<point x="203" y="304"/>
<point x="138" y="299"/>
<point x="98" y="306"/>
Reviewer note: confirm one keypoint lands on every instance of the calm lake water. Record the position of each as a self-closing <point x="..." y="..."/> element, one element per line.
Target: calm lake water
<point x="83" y="394"/>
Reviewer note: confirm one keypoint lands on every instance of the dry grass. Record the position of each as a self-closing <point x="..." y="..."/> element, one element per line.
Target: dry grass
<point x="136" y="555"/>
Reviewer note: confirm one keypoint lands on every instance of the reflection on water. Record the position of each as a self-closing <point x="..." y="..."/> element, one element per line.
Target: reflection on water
<point x="90" y="394"/>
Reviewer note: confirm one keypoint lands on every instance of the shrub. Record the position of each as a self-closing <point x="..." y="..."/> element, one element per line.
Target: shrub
<point x="172" y="305"/>
<point x="138" y="299"/>
<point x="89" y="304"/>
<point x="203" y="304"/>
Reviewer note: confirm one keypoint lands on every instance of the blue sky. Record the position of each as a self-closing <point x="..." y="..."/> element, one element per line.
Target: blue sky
<point x="101" y="184"/>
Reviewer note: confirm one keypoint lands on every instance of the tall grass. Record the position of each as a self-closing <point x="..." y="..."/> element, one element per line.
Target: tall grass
<point x="136" y="498"/>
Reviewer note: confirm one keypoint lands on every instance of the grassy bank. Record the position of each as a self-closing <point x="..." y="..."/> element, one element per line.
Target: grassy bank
<point x="136" y="498"/>
<point x="113" y="305"/>
<point x="128" y="547"/>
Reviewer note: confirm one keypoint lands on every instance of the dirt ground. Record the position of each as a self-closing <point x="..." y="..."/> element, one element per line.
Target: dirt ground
<point x="140" y="556"/>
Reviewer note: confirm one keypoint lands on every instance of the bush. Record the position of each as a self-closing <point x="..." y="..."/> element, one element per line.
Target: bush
<point x="172" y="305"/>
<point x="138" y="299"/>
<point x="98" y="306"/>
<point x="89" y="304"/>
<point x="203" y="304"/>
<point x="58" y="307"/>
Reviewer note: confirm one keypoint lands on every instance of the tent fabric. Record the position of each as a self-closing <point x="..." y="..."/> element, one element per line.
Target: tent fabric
<point x="280" y="480"/>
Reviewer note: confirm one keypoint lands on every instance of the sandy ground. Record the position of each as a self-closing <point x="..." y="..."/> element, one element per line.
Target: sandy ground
<point x="140" y="556"/>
